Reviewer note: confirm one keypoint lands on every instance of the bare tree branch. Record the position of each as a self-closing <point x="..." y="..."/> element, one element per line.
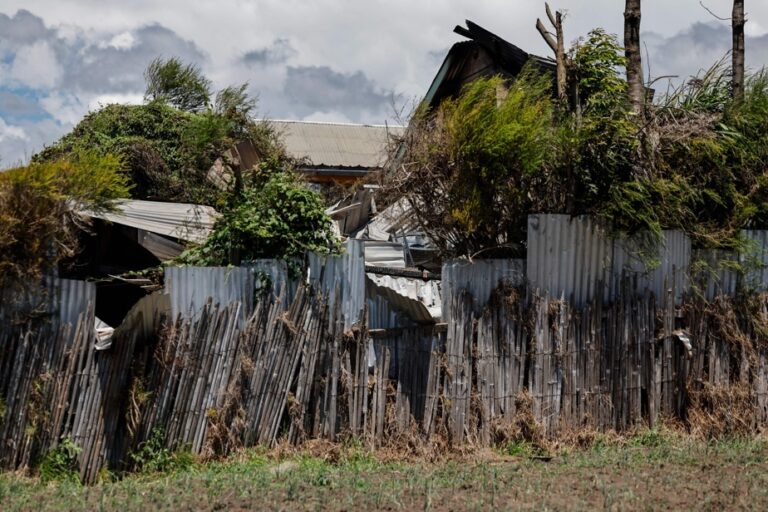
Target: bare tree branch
<point x="712" y="13"/>
<point x="546" y="35"/>
<point x="552" y="19"/>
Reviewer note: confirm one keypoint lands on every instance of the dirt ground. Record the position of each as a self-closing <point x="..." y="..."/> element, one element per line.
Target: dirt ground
<point x="648" y="474"/>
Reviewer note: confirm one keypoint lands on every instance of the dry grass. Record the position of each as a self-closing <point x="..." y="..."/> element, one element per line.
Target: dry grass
<point x="652" y="469"/>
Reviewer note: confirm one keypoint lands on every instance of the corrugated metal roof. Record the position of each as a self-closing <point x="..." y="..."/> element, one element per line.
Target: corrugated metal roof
<point x="397" y="218"/>
<point x="337" y="145"/>
<point x="384" y="254"/>
<point x="184" y="221"/>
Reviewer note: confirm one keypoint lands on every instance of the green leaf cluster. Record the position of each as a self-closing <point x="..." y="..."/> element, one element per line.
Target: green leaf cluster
<point x="277" y="216"/>
<point x="60" y="464"/>
<point x="152" y="456"/>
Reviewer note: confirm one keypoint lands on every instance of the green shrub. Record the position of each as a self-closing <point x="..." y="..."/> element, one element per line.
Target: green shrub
<point x="37" y="224"/>
<point x="60" y="464"/>
<point x="153" y="457"/>
<point x="276" y="217"/>
<point x="470" y="166"/>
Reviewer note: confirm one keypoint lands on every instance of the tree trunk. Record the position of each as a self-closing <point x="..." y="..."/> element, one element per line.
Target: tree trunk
<point x="636" y="88"/>
<point x="562" y="80"/>
<point x="558" y="47"/>
<point x="738" y="21"/>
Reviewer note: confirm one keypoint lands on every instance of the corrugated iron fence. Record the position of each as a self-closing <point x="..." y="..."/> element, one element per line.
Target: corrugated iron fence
<point x="239" y="363"/>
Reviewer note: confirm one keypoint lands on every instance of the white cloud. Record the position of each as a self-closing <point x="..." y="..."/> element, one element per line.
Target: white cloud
<point x="754" y="29"/>
<point x="11" y="132"/>
<point x="64" y="108"/>
<point x="36" y="66"/>
<point x="17" y="150"/>
<point x="121" y="41"/>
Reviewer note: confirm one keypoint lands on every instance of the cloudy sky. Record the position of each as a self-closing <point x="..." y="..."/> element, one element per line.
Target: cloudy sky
<point x="329" y="60"/>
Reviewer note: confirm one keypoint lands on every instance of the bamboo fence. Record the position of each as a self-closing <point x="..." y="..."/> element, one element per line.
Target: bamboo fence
<point x="292" y="372"/>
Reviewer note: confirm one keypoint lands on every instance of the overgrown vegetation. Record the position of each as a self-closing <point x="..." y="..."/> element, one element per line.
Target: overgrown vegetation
<point x="163" y="150"/>
<point x="38" y="223"/>
<point x="696" y="160"/>
<point x="655" y="469"/>
<point x="276" y="215"/>
<point x="60" y="464"/>
<point x="471" y="163"/>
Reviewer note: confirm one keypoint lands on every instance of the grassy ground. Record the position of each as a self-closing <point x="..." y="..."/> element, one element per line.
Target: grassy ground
<point x="649" y="472"/>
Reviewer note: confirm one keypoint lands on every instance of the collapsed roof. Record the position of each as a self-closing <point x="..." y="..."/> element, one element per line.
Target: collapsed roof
<point x="485" y="54"/>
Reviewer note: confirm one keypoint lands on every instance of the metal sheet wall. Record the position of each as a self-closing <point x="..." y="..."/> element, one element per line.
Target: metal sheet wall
<point x="715" y="274"/>
<point x="754" y="258"/>
<point x="276" y="272"/>
<point x="568" y="256"/>
<point x="190" y="288"/>
<point x="480" y="278"/>
<point x="574" y="258"/>
<point x="342" y="278"/>
<point x="64" y="299"/>
<point x="73" y="299"/>
<point x="668" y="267"/>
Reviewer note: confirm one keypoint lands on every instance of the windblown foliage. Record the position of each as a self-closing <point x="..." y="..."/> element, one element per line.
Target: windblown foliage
<point x="38" y="204"/>
<point x="183" y="86"/>
<point x="471" y="164"/>
<point x="694" y="160"/>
